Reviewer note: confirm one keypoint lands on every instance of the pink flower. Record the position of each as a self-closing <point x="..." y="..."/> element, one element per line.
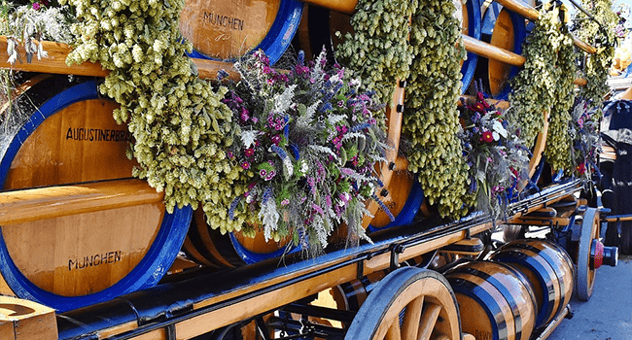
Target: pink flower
<point x="581" y="168"/>
<point x="276" y="139"/>
<point x="245" y="165"/>
<point x="249" y="152"/>
<point x="487" y="137"/>
<point x="285" y="202"/>
<point x="36" y="6"/>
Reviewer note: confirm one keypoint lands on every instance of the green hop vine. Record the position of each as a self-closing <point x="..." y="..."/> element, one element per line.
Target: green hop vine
<point x="180" y="127"/>
<point x="430" y="63"/>
<point x="535" y="86"/>
<point x="559" y="142"/>
<point x="603" y="38"/>
<point x="431" y="119"/>
<point x="378" y="50"/>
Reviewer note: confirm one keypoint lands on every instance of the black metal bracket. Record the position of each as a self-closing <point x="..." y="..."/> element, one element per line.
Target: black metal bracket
<point x="396" y="249"/>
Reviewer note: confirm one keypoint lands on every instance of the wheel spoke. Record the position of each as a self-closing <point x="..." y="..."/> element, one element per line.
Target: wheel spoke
<point x="394" y="332"/>
<point x="410" y="326"/>
<point x="428" y="321"/>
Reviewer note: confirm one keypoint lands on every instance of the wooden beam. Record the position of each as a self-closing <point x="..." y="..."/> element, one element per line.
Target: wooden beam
<point x="50" y="202"/>
<point x="55" y="63"/>
<point x="490" y="51"/>
<point x="342" y="6"/>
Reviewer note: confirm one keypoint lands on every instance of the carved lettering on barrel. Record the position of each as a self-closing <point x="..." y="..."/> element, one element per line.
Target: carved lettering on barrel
<point x="94" y="260"/>
<point x="98" y="135"/>
<point x="223" y="21"/>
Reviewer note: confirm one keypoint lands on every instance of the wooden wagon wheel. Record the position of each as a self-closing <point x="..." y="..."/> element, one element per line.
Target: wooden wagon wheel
<point x="410" y="303"/>
<point x="586" y="266"/>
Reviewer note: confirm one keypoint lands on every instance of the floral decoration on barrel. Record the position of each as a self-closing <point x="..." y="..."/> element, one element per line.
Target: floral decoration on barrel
<point x="307" y="142"/>
<point x="497" y="157"/>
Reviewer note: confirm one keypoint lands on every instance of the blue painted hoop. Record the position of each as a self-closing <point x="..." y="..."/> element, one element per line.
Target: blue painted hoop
<point x="250" y="257"/>
<point x="149" y="270"/>
<point x="474" y="31"/>
<point x="409" y="211"/>
<point x="520" y="33"/>
<point x="279" y="36"/>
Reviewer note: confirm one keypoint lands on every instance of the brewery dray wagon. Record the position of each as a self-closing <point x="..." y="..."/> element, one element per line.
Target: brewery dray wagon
<point x="88" y="252"/>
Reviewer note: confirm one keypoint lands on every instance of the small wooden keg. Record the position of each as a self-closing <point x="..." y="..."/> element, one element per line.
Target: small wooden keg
<point x="495" y="300"/>
<point x="549" y="270"/>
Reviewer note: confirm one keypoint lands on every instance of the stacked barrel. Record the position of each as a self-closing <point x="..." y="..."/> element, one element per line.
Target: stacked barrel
<point x="525" y="285"/>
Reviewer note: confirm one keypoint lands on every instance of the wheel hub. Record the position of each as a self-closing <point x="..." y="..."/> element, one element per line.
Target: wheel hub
<point x="600" y="255"/>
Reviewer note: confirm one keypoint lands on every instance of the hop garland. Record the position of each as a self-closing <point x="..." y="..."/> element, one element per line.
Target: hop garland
<point x="603" y="38"/>
<point x="430" y="63"/>
<point x="535" y="86"/>
<point x="559" y="142"/>
<point x="179" y="124"/>
<point x="431" y="120"/>
<point x="378" y="49"/>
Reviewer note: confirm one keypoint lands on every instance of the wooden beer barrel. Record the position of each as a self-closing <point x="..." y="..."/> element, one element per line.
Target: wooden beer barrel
<point x="549" y="270"/>
<point x="495" y="300"/>
<point x="505" y="29"/>
<point x="209" y="247"/>
<point x="226" y="30"/>
<point x="471" y="26"/>
<point x="68" y="136"/>
<point x="403" y="199"/>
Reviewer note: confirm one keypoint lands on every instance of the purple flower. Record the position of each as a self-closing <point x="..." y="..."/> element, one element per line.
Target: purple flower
<point x="36" y="6"/>
<point x="341" y="103"/>
<point x="276" y="139"/>
<point x="270" y="175"/>
<point x="245" y="165"/>
<point x="285" y="202"/>
<point x="249" y="152"/>
<point x="263" y="173"/>
<point x="244" y="114"/>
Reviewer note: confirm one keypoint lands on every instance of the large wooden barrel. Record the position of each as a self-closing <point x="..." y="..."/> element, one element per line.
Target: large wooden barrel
<point x="471" y="26"/>
<point x="67" y="136"/>
<point x="319" y="25"/>
<point x="549" y="270"/>
<point x="210" y="247"/>
<point x="228" y="29"/>
<point x="403" y="198"/>
<point x="495" y="301"/>
<point x="505" y="29"/>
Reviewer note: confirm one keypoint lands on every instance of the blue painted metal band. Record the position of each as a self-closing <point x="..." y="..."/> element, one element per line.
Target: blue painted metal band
<point x="474" y="31"/>
<point x="150" y="269"/>
<point x="546" y="309"/>
<point x="279" y="36"/>
<point x="486" y="301"/>
<point x="250" y="257"/>
<point x="409" y="210"/>
<point x="509" y="298"/>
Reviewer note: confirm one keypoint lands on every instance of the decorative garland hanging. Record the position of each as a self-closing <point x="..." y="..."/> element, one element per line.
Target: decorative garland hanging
<point x="603" y="38"/>
<point x="430" y="63"/>
<point x="431" y="120"/>
<point x="535" y="85"/>
<point x="378" y="49"/>
<point x="559" y="142"/>
<point x="180" y="127"/>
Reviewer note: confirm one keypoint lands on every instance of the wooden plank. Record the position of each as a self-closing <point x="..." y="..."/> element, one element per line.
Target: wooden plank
<point x="26" y="320"/>
<point x="43" y="203"/>
<point x="55" y="63"/>
<point x="490" y="51"/>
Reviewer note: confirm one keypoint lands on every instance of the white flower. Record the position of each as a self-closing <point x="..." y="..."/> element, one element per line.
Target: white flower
<point x="498" y="127"/>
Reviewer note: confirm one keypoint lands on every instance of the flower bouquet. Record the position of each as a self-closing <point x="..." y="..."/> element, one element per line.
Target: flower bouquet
<point x="584" y="132"/>
<point x="307" y="141"/>
<point x="497" y="157"/>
